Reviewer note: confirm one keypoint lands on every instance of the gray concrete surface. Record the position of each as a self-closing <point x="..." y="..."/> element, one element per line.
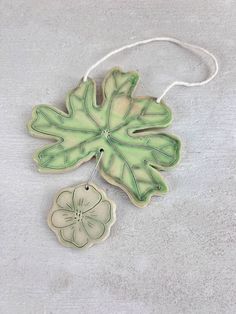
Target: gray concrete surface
<point x="178" y="254"/>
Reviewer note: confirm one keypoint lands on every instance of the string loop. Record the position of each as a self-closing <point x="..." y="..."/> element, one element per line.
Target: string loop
<point x="168" y="39"/>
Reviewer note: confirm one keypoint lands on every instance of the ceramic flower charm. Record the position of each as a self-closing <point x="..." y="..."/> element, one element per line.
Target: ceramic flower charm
<point x="81" y="216"/>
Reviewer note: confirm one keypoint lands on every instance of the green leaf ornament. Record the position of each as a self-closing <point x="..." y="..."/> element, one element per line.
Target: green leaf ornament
<point x="127" y="129"/>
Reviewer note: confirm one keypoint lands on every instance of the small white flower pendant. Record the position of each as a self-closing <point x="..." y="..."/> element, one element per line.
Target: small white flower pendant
<point x="81" y="215"/>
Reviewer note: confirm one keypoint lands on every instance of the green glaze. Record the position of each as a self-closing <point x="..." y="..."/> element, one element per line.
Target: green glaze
<point x="81" y="216"/>
<point x="127" y="129"/>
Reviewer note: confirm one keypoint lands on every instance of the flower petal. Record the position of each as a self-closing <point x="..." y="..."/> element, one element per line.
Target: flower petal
<point x="94" y="228"/>
<point x="101" y="212"/>
<point x="75" y="234"/>
<point x="67" y="233"/>
<point x="62" y="218"/>
<point x="80" y="236"/>
<point x="85" y="199"/>
<point x="64" y="200"/>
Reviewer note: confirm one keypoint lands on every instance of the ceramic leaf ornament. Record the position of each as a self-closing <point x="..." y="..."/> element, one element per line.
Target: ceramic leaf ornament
<point x="126" y="128"/>
<point x="125" y="133"/>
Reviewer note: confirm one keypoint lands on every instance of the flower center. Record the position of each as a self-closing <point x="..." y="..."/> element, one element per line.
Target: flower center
<point x="78" y="215"/>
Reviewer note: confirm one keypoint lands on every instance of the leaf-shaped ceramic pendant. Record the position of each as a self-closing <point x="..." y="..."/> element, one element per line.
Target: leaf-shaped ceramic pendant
<point x="126" y="128"/>
<point x="81" y="216"/>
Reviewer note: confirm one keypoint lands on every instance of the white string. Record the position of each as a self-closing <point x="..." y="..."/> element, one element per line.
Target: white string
<point x="169" y="39"/>
<point x="92" y="174"/>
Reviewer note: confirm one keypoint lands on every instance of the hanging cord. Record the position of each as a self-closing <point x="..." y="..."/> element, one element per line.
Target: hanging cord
<point x="94" y="170"/>
<point x="169" y="39"/>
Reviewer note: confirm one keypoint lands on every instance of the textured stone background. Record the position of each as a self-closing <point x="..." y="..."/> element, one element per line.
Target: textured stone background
<point x="178" y="254"/>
